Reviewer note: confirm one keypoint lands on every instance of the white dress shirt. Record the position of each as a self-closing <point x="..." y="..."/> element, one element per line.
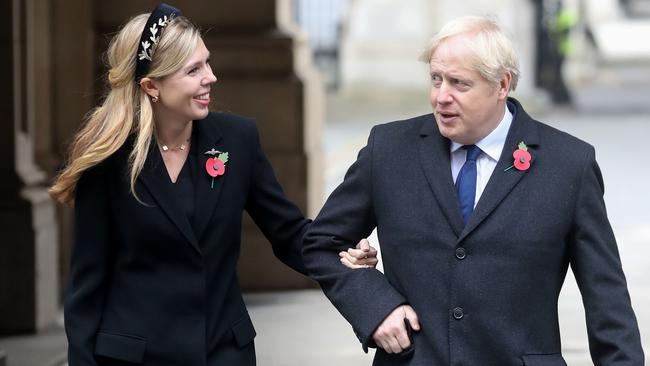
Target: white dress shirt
<point x="491" y="147"/>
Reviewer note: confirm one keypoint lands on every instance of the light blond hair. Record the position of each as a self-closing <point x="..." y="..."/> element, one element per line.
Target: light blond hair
<point x="126" y="109"/>
<point x="491" y="52"/>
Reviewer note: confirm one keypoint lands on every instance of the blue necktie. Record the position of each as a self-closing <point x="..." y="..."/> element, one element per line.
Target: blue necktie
<point x="466" y="181"/>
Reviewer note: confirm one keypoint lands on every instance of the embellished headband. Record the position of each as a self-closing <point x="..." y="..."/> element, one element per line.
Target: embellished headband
<point x="158" y="20"/>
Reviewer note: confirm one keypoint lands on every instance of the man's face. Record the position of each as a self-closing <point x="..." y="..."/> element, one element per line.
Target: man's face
<point x="467" y="107"/>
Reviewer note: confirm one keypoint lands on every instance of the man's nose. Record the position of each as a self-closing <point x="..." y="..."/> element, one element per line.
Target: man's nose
<point x="444" y="94"/>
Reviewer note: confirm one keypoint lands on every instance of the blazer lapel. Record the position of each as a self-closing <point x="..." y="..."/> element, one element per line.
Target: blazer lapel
<point x="436" y="165"/>
<point x="502" y="182"/>
<point x="207" y="189"/>
<point x="155" y="178"/>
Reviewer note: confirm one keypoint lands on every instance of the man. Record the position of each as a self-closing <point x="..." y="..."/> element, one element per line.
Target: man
<point x="480" y="210"/>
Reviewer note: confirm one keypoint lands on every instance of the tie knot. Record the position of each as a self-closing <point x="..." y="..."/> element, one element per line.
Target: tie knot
<point x="473" y="152"/>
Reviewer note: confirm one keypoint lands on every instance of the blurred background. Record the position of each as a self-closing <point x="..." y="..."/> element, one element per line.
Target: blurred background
<point x="316" y="75"/>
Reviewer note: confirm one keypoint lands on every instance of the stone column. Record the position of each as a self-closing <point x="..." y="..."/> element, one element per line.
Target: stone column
<point x="73" y="65"/>
<point x="28" y="256"/>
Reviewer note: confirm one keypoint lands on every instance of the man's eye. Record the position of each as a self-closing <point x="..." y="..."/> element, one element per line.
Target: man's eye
<point x="461" y="84"/>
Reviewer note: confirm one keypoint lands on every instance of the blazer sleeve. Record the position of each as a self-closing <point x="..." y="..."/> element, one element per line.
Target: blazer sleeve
<point x="278" y="218"/>
<point x="363" y="296"/>
<point x="611" y="324"/>
<point x="86" y="291"/>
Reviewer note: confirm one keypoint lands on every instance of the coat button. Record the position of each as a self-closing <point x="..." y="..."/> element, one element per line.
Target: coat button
<point x="460" y="253"/>
<point x="458" y="313"/>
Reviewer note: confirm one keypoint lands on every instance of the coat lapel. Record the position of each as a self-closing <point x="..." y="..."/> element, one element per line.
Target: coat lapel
<point x="436" y="164"/>
<point x="502" y="182"/>
<point x="207" y="191"/>
<point x="155" y="178"/>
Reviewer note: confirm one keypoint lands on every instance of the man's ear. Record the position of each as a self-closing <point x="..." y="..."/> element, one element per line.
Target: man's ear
<point x="149" y="87"/>
<point x="504" y="85"/>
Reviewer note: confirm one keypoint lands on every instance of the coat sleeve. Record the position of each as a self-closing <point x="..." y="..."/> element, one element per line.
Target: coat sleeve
<point x="612" y="328"/>
<point x="363" y="296"/>
<point x="90" y="266"/>
<point x="278" y="218"/>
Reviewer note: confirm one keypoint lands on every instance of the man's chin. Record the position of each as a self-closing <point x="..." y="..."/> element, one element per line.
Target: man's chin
<point x="446" y="131"/>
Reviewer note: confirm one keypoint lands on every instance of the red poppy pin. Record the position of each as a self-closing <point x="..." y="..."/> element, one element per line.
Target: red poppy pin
<point x="216" y="164"/>
<point x="522" y="158"/>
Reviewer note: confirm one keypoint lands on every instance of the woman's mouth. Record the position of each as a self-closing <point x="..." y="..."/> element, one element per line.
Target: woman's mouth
<point x="203" y="99"/>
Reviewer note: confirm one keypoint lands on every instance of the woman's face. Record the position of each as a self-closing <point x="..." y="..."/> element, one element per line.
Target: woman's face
<point x="185" y="94"/>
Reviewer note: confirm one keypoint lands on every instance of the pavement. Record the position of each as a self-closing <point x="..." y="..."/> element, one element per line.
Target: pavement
<point x="300" y="328"/>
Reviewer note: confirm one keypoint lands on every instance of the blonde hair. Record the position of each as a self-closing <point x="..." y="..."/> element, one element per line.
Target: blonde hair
<point x="126" y="108"/>
<point x="491" y="51"/>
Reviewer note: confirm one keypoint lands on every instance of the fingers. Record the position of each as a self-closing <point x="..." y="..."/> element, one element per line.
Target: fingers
<point x="363" y="248"/>
<point x="363" y="245"/>
<point x="354" y="262"/>
<point x="390" y="343"/>
<point x="362" y="254"/>
<point x="391" y="335"/>
<point x="358" y="254"/>
<point x="393" y="345"/>
<point x="412" y="317"/>
<point x="346" y="262"/>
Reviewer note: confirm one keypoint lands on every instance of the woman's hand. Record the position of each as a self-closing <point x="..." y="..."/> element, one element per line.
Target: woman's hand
<point x="363" y="256"/>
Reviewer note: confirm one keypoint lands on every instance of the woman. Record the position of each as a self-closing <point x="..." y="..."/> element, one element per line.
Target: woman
<point x="159" y="186"/>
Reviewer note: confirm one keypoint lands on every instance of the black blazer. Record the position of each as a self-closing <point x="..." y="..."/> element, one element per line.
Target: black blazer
<point x="485" y="293"/>
<point x="149" y="287"/>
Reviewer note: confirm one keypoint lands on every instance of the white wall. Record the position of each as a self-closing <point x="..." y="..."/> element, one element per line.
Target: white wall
<point x="385" y="37"/>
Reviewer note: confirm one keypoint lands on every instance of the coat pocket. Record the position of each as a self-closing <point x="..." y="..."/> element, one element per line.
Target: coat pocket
<point x="243" y="331"/>
<point x="120" y="346"/>
<point x="553" y="359"/>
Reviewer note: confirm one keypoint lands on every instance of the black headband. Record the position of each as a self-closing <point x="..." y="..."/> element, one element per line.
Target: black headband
<point x="158" y="20"/>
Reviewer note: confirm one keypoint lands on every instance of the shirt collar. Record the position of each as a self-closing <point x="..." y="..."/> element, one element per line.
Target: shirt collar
<point x="492" y="144"/>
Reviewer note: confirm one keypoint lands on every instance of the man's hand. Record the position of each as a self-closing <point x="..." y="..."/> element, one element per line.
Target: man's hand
<point x="391" y="335"/>
<point x="363" y="256"/>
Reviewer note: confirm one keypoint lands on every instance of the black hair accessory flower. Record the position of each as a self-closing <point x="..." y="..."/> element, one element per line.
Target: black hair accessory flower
<point x="160" y="17"/>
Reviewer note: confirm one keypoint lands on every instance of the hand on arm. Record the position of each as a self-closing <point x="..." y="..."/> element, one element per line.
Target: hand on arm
<point x="363" y="255"/>
<point x="392" y="334"/>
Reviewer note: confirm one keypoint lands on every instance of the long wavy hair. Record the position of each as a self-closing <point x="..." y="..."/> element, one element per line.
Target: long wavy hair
<point x="126" y="109"/>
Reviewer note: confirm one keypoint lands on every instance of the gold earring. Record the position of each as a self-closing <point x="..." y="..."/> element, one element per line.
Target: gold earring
<point x="154" y="99"/>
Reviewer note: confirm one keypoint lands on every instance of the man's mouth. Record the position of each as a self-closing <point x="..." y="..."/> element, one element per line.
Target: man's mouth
<point x="447" y="116"/>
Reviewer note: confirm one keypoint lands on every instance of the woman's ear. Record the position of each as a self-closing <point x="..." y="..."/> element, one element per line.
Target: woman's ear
<point x="149" y="87"/>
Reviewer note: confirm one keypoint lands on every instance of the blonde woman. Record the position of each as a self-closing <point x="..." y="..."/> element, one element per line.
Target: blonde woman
<point x="159" y="185"/>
